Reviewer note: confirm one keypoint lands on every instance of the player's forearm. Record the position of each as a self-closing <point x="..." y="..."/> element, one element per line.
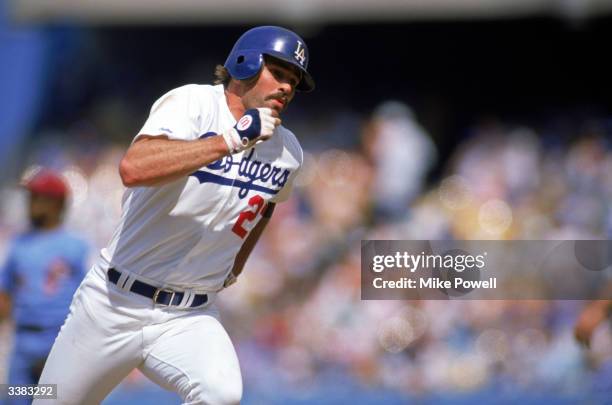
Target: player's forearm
<point x="248" y="246"/>
<point x="153" y="161"/>
<point x="251" y="241"/>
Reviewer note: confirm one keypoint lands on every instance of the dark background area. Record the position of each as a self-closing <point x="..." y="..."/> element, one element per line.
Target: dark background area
<point x="541" y="72"/>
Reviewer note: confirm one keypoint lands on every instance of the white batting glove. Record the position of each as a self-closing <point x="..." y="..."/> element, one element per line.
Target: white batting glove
<point x="257" y="124"/>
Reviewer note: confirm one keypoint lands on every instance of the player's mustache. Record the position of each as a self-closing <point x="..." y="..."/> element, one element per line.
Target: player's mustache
<point x="278" y="96"/>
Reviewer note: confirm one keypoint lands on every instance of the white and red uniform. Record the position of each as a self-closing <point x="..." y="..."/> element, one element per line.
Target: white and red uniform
<point x="182" y="236"/>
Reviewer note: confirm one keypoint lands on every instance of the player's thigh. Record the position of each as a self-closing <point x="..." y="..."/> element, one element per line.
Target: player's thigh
<point x="196" y="358"/>
<point x="88" y="358"/>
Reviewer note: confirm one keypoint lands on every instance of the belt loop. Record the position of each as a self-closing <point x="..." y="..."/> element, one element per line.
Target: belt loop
<point x="122" y="279"/>
<point x="187" y="299"/>
<point x="127" y="286"/>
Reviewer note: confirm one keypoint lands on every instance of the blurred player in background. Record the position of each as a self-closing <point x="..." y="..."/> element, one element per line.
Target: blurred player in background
<point x="593" y="315"/>
<point x="43" y="268"/>
<point x="394" y="142"/>
<point x="203" y="176"/>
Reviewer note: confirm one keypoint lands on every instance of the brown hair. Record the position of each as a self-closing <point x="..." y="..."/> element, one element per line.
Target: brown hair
<point x="222" y="76"/>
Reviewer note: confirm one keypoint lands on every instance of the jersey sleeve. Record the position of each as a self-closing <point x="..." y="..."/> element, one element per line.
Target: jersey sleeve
<point x="175" y="115"/>
<point x="294" y="149"/>
<point x="285" y="192"/>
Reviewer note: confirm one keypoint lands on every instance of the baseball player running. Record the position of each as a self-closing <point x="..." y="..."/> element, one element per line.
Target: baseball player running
<point x="43" y="268"/>
<point x="203" y="176"/>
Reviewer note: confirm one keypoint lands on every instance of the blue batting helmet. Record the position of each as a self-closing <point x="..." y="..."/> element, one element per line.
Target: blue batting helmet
<point x="247" y="56"/>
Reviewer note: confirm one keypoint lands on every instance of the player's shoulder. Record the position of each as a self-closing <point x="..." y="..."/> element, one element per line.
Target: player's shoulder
<point x="20" y="243"/>
<point x="206" y="93"/>
<point x="291" y="142"/>
<point x="19" y="240"/>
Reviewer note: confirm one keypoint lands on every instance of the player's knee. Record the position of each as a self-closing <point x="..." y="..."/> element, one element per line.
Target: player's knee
<point x="228" y="395"/>
<point x="223" y="392"/>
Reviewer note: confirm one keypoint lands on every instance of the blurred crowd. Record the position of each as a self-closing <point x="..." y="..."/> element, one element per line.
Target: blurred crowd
<point x="296" y="315"/>
<point x="502" y="183"/>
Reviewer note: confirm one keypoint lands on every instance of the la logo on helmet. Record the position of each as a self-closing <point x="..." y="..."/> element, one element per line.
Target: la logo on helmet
<point x="300" y="54"/>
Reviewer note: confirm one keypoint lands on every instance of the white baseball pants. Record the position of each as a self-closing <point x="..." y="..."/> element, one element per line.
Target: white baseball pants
<point x="109" y="332"/>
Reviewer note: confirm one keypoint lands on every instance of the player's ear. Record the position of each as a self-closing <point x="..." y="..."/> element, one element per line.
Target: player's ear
<point x="251" y="81"/>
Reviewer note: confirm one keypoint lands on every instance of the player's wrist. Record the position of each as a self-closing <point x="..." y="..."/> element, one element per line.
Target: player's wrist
<point x="233" y="141"/>
<point x="257" y="124"/>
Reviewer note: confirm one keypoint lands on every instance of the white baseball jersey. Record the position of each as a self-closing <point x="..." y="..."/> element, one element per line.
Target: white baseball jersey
<point x="187" y="233"/>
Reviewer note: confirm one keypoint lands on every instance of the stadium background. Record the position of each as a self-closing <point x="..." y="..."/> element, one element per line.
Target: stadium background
<point x="474" y="125"/>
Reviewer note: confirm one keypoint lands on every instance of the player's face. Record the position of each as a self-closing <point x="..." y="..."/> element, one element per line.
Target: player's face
<point x="274" y="88"/>
<point x="44" y="211"/>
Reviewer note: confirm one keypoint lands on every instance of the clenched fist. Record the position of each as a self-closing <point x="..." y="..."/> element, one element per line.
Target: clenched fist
<point x="257" y="124"/>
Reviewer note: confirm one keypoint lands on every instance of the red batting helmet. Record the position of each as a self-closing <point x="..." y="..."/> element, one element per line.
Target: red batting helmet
<point x="48" y="183"/>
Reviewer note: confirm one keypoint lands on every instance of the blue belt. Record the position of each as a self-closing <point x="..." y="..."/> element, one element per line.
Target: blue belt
<point x="158" y="295"/>
<point x="32" y="328"/>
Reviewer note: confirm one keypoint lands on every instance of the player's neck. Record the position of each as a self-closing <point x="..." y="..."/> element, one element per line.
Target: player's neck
<point x="46" y="225"/>
<point x="234" y="102"/>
